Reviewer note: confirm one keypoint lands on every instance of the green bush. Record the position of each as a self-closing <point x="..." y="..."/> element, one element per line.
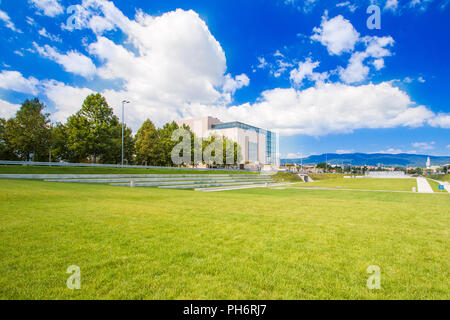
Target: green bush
<point x="325" y="176"/>
<point x="286" y="177"/>
<point x="441" y="177"/>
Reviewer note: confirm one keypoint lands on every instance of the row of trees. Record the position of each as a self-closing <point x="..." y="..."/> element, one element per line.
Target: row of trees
<point x="93" y="134"/>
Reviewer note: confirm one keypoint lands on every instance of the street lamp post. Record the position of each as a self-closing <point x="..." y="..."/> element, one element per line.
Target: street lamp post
<point x="123" y="104"/>
<point x="301" y="162"/>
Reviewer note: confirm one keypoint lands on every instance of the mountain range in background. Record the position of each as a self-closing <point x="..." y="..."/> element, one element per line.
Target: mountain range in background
<point x="372" y="159"/>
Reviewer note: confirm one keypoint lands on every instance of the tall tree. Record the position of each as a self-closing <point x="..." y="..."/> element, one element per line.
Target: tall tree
<point x="234" y="150"/>
<point x="59" y="146"/>
<point x="114" y="153"/>
<point x="29" y="132"/>
<point x="148" y="145"/>
<point x="94" y="133"/>
<point x="166" y="143"/>
<point x="6" y="151"/>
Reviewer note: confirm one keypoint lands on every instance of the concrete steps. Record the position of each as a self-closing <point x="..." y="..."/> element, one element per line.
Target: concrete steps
<point x="139" y="180"/>
<point x="227" y="188"/>
<point x="209" y="185"/>
<point x="165" y="181"/>
<point x="115" y="176"/>
<point x="193" y="183"/>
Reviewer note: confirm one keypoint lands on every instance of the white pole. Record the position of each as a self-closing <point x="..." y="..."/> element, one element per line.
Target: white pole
<point x="301" y="161"/>
<point x="122" y="129"/>
<point x="123" y="116"/>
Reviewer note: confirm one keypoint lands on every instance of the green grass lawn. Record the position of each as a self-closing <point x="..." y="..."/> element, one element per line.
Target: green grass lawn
<point x="364" y="184"/>
<point x="435" y="186"/>
<point x="325" y="176"/>
<point x="16" y="169"/>
<point x="145" y="243"/>
<point x="443" y="178"/>
<point x="286" y="177"/>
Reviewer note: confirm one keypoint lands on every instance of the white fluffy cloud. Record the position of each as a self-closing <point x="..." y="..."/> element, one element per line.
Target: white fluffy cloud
<point x="400" y="7"/>
<point x="15" y="81"/>
<point x="168" y="63"/>
<point x="304" y="5"/>
<point x="68" y="99"/>
<point x="8" y="23"/>
<point x="337" y="34"/>
<point x="277" y="66"/>
<point x="292" y="156"/>
<point x="175" y="62"/>
<point x="262" y="63"/>
<point x="424" y="145"/>
<point x="441" y="120"/>
<point x="305" y="70"/>
<point x="356" y="71"/>
<point x="411" y="80"/>
<point x="178" y="70"/>
<point x="327" y="108"/>
<point x="343" y="151"/>
<point x="8" y="110"/>
<point x="420" y="4"/>
<point x="178" y="60"/>
<point x="231" y="85"/>
<point x="376" y="46"/>
<point x="376" y="50"/>
<point x="348" y="5"/>
<point x="378" y="64"/>
<point x="72" y="61"/>
<point x="391" y="151"/>
<point x="171" y="67"/>
<point x="49" y="8"/>
<point x="391" y="5"/>
<point x="43" y="32"/>
<point x="321" y="110"/>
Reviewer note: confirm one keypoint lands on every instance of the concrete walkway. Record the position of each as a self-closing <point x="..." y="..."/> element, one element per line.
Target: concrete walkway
<point x="423" y="186"/>
<point x="445" y="184"/>
<point x="447" y="187"/>
<point x="243" y="187"/>
<point x="336" y="189"/>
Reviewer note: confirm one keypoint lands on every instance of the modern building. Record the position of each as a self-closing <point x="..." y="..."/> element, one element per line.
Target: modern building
<point x="258" y="146"/>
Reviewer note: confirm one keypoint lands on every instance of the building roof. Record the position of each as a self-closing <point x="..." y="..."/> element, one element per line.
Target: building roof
<point x="238" y="124"/>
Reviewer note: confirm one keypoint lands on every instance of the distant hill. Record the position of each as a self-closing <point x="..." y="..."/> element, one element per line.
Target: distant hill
<point x="373" y="159"/>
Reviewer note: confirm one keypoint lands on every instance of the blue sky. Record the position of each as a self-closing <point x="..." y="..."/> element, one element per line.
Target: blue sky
<point x="311" y="70"/>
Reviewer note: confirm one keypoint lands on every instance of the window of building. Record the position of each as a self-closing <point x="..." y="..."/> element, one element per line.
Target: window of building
<point x="252" y="151"/>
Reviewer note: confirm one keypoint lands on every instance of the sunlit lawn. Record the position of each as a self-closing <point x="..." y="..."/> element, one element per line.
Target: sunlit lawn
<point x="364" y="184"/>
<point x="147" y="243"/>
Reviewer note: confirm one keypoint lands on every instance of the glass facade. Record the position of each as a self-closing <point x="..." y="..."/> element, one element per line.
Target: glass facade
<point x="271" y="141"/>
<point x="237" y="124"/>
<point x="271" y="148"/>
<point x="252" y="152"/>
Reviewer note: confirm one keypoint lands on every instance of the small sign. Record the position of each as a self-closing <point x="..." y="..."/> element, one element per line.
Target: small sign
<point x="441" y="187"/>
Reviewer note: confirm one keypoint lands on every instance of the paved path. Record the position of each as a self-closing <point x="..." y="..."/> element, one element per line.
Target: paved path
<point x="445" y="184"/>
<point x="213" y="189"/>
<point x="423" y="186"/>
<point x="336" y="189"/>
<point x="447" y="187"/>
